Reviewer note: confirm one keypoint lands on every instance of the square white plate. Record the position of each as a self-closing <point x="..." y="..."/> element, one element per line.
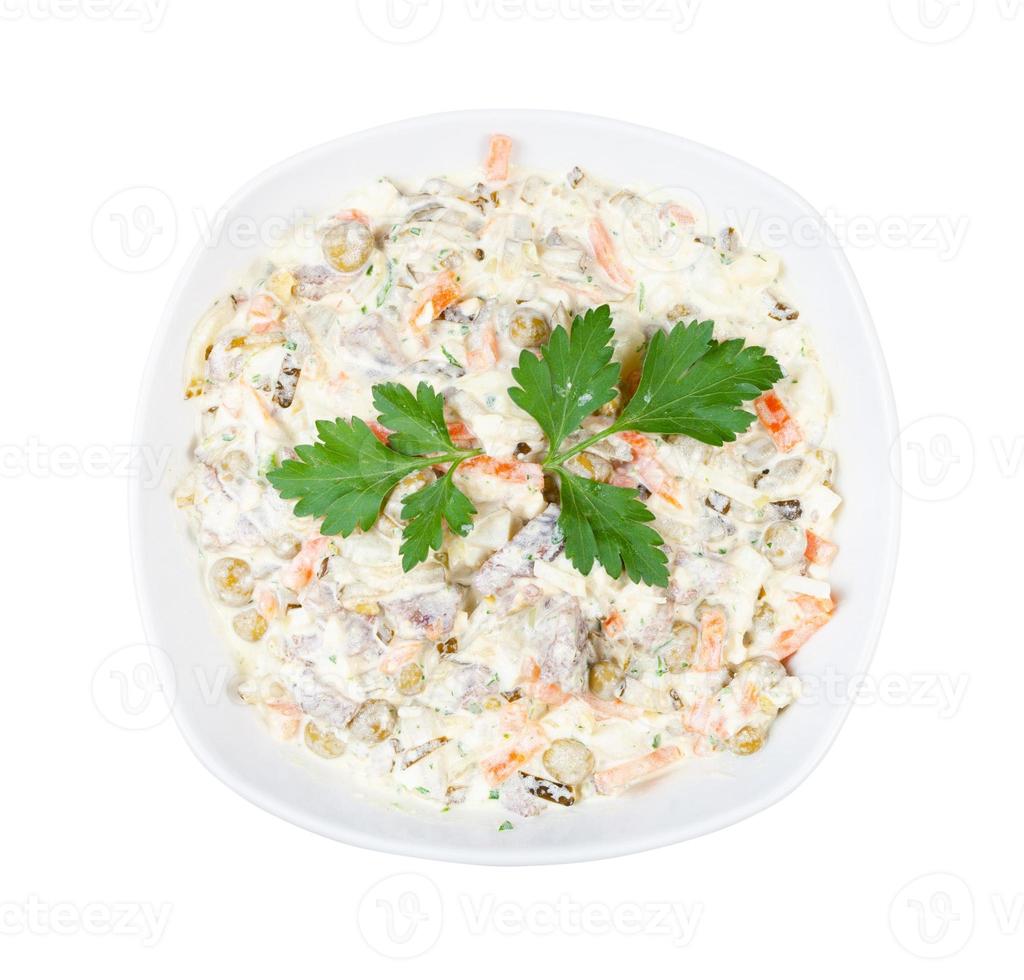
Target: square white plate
<point x="229" y="738"/>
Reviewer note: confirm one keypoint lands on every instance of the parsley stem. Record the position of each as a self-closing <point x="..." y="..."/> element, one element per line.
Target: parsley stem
<point x="575" y="450"/>
<point x="457" y="457"/>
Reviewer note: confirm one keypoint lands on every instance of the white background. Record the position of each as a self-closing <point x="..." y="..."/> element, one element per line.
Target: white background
<point x="901" y="122"/>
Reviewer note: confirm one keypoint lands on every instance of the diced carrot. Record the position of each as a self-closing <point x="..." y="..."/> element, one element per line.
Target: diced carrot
<point x="640" y="446"/>
<point x="499" y="766"/>
<point x="303" y="566"/>
<point x="750" y="699"/>
<point x="531" y="685"/>
<point x="482" y="347"/>
<point x="621" y="776"/>
<point x="284" y="718"/>
<point x="613" y="624"/>
<point x="257" y="399"/>
<point x="398" y="655"/>
<point x="679" y="214"/>
<point x="264" y="313"/>
<point x="379" y="431"/>
<point x="504" y="468"/>
<point x="620" y="478"/>
<point x="437" y="297"/>
<point x="604" y="252"/>
<point x="697" y="718"/>
<point x="610" y="709"/>
<point x="819" y="551"/>
<point x="653" y="475"/>
<point x="711" y="647"/>
<point x="515" y="715"/>
<point x="810" y="606"/>
<point x="461" y="434"/>
<point x="498" y="153"/>
<point x="776" y="419"/>
<point x="549" y="694"/>
<point x="815" y="613"/>
<point x="353" y="214"/>
<point x="265" y="600"/>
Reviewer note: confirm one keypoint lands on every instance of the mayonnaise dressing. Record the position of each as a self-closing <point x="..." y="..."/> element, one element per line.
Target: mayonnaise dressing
<point x="495" y="667"/>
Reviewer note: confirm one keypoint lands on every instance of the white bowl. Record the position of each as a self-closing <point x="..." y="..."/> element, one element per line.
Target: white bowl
<point x="229" y="739"/>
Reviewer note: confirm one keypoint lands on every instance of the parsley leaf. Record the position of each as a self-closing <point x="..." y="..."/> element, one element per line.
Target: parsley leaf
<point x="417" y="421"/>
<point x="344" y="477"/>
<point x="571" y="379"/>
<point x="424" y="510"/>
<point x="612" y="525"/>
<point x="693" y="385"/>
<point x="690" y="384"/>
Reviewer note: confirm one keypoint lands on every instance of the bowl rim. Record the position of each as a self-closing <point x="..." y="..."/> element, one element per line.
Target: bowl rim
<point x="485" y="120"/>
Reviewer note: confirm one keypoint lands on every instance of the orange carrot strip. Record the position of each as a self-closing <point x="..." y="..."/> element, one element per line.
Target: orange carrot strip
<point x="776" y="419"/>
<point x="654" y="476"/>
<point x="639" y="445"/>
<point x="621" y="776"/>
<point x="816" y="613"/>
<point x="530" y="684"/>
<point x="622" y="479"/>
<point x="679" y="214"/>
<point x="461" y="434"/>
<point x="266" y="602"/>
<point x="398" y="655"/>
<point x="379" y="431"/>
<point x="610" y="709"/>
<point x="438" y="296"/>
<point x="549" y="694"/>
<point x="353" y="214"/>
<point x="819" y="551"/>
<point x="264" y="313"/>
<point x="498" y="153"/>
<point x="604" y="252"/>
<point x="512" y="470"/>
<point x="482" y="348"/>
<point x="613" y="624"/>
<point x="499" y="766"/>
<point x="711" y="647"/>
<point x="697" y="718"/>
<point x="300" y="571"/>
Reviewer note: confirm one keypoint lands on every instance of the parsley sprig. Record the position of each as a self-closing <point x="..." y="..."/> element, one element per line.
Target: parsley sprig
<point x="348" y="473"/>
<point x="690" y="384"/>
